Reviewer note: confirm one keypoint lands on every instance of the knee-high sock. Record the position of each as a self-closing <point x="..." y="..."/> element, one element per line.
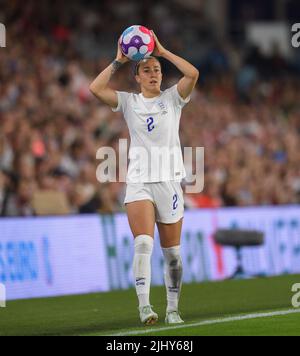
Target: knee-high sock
<point x="173" y="276"/>
<point x="143" y="247"/>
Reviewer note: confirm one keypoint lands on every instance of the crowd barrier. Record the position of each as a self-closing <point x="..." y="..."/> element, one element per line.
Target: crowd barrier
<point x="54" y="256"/>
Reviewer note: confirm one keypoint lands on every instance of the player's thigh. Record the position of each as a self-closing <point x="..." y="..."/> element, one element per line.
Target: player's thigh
<point x="169" y="202"/>
<point x="170" y="234"/>
<point x="141" y="217"/>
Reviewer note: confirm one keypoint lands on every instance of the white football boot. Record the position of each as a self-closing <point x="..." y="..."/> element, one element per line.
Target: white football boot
<point x="147" y="315"/>
<point x="173" y="317"/>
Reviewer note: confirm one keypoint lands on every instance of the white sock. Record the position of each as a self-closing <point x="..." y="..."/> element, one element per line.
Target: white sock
<point x="173" y="276"/>
<point x="143" y="247"/>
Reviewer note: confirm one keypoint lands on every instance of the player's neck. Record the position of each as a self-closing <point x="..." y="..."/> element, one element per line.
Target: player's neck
<point x="150" y="94"/>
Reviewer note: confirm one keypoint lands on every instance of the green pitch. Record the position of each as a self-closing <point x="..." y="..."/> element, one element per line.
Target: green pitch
<point x="246" y="307"/>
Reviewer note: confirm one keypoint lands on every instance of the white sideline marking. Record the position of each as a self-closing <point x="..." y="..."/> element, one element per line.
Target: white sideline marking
<point x="210" y="322"/>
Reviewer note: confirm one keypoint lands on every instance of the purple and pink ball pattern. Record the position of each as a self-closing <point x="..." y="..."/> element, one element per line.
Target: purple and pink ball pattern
<point x="137" y="43"/>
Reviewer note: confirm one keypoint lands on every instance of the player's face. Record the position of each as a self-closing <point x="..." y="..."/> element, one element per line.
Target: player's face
<point x="150" y="76"/>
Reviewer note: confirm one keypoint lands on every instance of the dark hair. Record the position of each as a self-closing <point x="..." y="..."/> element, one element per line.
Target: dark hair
<point x="137" y="66"/>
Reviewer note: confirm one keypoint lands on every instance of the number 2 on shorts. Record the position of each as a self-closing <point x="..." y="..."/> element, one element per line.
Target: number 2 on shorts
<point x="175" y="202"/>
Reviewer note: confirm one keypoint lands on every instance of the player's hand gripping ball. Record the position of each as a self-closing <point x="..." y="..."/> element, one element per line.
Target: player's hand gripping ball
<point x="137" y="43"/>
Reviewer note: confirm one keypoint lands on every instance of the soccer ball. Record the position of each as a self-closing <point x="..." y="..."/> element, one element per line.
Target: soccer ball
<point x="137" y="43"/>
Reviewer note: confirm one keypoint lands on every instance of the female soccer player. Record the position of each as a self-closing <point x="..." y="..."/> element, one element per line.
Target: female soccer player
<point x="154" y="193"/>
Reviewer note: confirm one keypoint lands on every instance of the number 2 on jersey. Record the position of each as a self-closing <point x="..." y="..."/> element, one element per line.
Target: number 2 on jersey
<point x="150" y="123"/>
<point x="175" y="202"/>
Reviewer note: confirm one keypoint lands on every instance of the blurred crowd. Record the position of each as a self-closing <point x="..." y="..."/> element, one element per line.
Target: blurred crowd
<point x="245" y="112"/>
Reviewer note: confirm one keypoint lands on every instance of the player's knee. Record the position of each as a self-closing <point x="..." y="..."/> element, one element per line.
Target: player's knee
<point x="173" y="257"/>
<point x="176" y="263"/>
<point x="143" y="244"/>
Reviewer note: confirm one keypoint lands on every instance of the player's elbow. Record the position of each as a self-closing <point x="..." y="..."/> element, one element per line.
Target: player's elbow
<point x="93" y="89"/>
<point x="196" y="74"/>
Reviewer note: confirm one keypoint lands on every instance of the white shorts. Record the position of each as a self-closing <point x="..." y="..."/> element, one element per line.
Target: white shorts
<point x="167" y="198"/>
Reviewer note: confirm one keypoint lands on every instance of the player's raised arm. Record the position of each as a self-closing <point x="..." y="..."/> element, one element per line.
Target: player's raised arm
<point x="191" y="74"/>
<point x="100" y="88"/>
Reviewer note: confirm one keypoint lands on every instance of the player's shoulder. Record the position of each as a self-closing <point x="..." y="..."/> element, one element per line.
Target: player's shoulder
<point x="124" y="99"/>
<point x="128" y="95"/>
<point x="124" y="93"/>
<point x="171" y="91"/>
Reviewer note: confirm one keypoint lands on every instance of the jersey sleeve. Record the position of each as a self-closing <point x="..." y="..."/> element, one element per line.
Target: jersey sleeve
<point x="122" y="101"/>
<point x="176" y="98"/>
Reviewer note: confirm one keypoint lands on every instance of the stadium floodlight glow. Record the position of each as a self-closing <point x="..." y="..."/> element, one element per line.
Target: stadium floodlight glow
<point x="2" y="35"/>
<point x="2" y="296"/>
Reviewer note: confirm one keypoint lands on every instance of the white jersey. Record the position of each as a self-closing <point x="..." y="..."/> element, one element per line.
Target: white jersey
<point x="155" y="152"/>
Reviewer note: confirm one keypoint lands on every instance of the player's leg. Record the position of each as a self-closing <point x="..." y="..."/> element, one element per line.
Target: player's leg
<point x="170" y="235"/>
<point x="141" y="217"/>
<point x="170" y="210"/>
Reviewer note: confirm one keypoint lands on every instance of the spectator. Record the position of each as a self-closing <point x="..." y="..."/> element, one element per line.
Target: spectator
<point x="51" y="127"/>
